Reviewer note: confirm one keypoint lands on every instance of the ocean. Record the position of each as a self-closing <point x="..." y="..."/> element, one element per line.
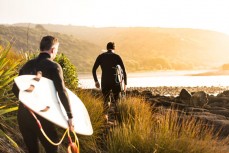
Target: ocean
<point x="163" y="78"/>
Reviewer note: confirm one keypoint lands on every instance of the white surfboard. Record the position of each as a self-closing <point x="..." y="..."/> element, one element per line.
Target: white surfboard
<point x="120" y="77"/>
<point x="44" y="101"/>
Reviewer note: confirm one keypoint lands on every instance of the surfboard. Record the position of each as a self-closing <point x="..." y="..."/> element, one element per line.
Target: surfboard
<point x="44" y="101"/>
<point x="120" y="77"/>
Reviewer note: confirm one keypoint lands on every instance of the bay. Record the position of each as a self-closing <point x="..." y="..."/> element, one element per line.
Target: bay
<point x="164" y="78"/>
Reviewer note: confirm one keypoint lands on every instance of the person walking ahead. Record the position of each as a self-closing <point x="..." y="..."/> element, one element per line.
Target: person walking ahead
<point x="27" y="124"/>
<point x="108" y="62"/>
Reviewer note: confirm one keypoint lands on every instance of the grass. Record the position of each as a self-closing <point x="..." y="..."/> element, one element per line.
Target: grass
<point x="133" y="134"/>
<point x="95" y="109"/>
<point x="8" y="67"/>
<point x="142" y="128"/>
<point x="161" y="131"/>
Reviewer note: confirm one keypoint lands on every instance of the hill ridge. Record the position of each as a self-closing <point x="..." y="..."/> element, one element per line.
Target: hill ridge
<point x="141" y="48"/>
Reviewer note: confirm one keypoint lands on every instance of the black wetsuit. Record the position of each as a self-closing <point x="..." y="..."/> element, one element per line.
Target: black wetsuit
<point x="108" y="61"/>
<point x="27" y="124"/>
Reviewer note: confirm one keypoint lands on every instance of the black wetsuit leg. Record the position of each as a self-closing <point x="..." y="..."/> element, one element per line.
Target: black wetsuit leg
<point x="27" y="127"/>
<point x="106" y="93"/>
<point x="116" y="90"/>
<point x="31" y="132"/>
<point x="51" y="132"/>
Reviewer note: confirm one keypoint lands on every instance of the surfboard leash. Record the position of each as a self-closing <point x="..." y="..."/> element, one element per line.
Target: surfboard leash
<point x="43" y="132"/>
<point x="73" y="146"/>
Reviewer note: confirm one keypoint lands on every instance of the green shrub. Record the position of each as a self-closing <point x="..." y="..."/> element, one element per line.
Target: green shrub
<point x="69" y="70"/>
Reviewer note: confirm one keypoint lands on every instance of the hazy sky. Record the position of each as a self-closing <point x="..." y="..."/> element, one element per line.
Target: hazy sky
<point x="201" y="14"/>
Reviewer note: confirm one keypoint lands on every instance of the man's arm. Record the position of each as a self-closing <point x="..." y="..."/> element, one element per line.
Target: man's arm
<point x="96" y="65"/>
<point x="15" y="88"/>
<point x="58" y="80"/>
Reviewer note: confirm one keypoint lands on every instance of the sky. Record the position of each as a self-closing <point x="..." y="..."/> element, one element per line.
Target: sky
<point x="197" y="14"/>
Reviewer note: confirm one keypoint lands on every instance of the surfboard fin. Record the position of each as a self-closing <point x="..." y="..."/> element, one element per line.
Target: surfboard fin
<point x="30" y="89"/>
<point x="45" y="110"/>
<point x="38" y="76"/>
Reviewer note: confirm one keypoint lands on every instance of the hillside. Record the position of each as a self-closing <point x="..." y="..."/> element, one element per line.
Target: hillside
<point x="140" y="48"/>
<point x="81" y="53"/>
<point x="155" y="48"/>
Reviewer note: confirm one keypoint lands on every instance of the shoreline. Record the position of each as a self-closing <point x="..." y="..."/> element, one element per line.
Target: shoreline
<point x="167" y="78"/>
<point x="171" y="90"/>
<point x="175" y="91"/>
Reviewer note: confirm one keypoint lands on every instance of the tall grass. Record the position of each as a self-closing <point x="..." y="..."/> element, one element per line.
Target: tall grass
<point x="94" y="106"/>
<point x="8" y="105"/>
<point x="141" y="129"/>
<point x="133" y="134"/>
<point x="163" y="131"/>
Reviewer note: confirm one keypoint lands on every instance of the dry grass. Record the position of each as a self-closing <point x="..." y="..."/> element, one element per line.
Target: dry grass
<point x="163" y="131"/>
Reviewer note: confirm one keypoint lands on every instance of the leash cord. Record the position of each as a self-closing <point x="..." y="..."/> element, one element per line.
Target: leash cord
<point x="45" y="135"/>
<point x="76" y="139"/>
<point x="58" y="143"/>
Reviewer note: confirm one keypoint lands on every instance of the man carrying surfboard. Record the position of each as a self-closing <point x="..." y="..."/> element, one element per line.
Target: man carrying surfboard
<point x="108" y="62"/>
<point x="27" y="124"/>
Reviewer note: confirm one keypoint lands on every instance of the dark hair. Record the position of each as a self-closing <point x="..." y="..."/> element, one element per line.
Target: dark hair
<point x="47" y="42"/>
<point x="110" y="45"/>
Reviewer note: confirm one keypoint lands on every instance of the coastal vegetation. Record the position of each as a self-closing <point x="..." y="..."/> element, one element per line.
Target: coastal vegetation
<point x="142" y="49"/>
<point x="141" y="127"/>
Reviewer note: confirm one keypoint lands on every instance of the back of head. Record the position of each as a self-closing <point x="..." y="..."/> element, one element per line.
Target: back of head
<point x="47" y="42"/>
<point x="110" y="46"/>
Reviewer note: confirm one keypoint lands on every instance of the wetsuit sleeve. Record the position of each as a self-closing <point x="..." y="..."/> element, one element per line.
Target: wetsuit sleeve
<point x="58" y="80"/>
<point x="124" y="71"/>
<point x="96" y="65"/>
<point x="15" y="88"/>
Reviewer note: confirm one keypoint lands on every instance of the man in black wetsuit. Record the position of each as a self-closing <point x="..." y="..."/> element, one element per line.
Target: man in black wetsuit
<point x="51" y="70"/>
<point x="108" y="62"/>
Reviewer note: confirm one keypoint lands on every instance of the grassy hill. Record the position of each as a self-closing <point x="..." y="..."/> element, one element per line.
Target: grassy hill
<point x="140" y="48"/>
<point x="80" y="52"/>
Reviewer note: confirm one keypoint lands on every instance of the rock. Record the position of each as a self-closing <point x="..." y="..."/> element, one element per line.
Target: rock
<point x="224" y="94"/>
<point x="221" y="128"/>
<point x="221" y="112"/>
<point x="133" y="92"/>
<point x="147" y="94"/>
<point x="184" y="96"/>
<point x="195" y="110"/>
<point x="212" y="111"/>
<point x="199" y="99"/>
<point x="218" y="101"/>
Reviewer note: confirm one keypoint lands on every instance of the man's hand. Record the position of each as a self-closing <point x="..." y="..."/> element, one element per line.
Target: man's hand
<point x="124" y="88"/>
<point x="70" y="124"/>
<point x="97" y="85"/>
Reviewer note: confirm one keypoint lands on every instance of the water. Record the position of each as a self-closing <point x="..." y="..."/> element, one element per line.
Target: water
<point x="164" y="78"/>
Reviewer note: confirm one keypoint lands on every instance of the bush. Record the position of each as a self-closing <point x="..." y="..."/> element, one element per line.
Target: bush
<point x="69" y="70"/>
